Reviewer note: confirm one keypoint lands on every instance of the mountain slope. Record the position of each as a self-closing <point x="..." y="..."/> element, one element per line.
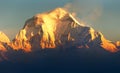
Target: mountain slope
<point x="58" y="29"/>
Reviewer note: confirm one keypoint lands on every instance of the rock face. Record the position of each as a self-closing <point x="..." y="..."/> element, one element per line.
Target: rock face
<point x="58" y="28"/>
<point x="21" y="42"/>
<point x="2" y="48"/>
<point x="108" y="45"/>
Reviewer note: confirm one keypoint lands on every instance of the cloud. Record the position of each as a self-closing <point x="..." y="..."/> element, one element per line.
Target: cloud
<point x="88" y="11"/>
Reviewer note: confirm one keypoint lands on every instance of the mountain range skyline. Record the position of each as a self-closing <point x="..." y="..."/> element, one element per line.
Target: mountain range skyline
<point x="59" y="36"/>
<point x="14" y="13"/>
<point x="41" y="46"/>
<point x="56" y="29"/>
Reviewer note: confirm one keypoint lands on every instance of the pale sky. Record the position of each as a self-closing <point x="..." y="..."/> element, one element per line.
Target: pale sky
<point x="102" y="15"/>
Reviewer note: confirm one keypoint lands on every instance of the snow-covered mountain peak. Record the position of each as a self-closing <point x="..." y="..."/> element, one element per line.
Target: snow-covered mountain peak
<point x="57" y="28"/>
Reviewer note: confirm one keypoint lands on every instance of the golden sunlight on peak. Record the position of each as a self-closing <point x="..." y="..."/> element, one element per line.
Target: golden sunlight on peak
<point x="108" y="45"/>
<point x="58" y="13"/>
<point x="4" y="38"/>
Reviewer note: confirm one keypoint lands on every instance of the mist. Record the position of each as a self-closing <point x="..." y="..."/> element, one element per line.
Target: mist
<point x="88" y="11"/>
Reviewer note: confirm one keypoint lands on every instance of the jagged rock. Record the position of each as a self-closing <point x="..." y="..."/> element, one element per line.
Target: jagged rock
<point x="21" y="42"/>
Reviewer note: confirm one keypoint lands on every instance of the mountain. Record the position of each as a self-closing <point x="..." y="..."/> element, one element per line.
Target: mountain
<point x="58" y="29"/>
<point x="55" y="41"/>
<point x="3" y="39"/>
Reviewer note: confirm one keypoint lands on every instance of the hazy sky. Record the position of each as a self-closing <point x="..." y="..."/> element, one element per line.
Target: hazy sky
<point x="102" y="15"/>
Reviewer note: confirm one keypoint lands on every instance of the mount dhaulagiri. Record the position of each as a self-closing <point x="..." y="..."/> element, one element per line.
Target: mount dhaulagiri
<point x="56" y="29"/>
